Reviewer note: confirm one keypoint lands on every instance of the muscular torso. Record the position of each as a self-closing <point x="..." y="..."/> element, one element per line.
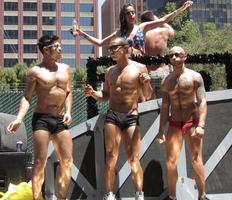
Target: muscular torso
<point x="51" y="89"/>
<point x="182" y="96"/>
<point x="156" y="41"/>
<point x="124" y="89"/>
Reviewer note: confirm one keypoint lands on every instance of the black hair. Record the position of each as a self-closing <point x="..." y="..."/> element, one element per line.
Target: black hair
<point x="46" y="40"/>
<point x="147" y="16"/>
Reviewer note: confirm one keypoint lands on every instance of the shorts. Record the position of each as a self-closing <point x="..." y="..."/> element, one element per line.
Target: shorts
<point x="122" y="120"/>
<point x="48" y="122"/>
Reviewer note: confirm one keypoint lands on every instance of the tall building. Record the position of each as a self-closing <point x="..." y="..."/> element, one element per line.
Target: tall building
<point x="110" y="15"/>
<point x="23" y="22"/>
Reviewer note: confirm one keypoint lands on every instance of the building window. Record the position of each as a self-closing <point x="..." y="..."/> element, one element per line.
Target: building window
<point x="86" y="21"/>
<point x="29" y="61"/>
<point x="67" y="21"/>
<point x="10" y="34"/>
<point x="10" y="48"/>
<point x="70" y="62"/>
<point x="83" y="62"/>
<point x="30" y="48"/>
<point x="10" y="6"/>
<point x="86" y="7"/>
<point x="66" y="35"/>
<point x="49" y="32"/>
<point x="10" y="20"/>
<point x="87" y="49"/>
<point x="91" y="33"/>
<point x="30" y="20"/>
<point x="29" y="34"/>
<point x="28" y="6"/>
<point x="49" y="20"/>
<point x="49" y="7"/>
<point x="68" y="49"/>
<point x="67" y="7"/>
<point x="10" y="62"/>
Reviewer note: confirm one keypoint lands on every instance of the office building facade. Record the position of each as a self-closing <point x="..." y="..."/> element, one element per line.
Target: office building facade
<point x="25" y="21"/>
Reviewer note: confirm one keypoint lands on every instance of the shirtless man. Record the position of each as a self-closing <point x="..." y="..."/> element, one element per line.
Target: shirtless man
<point x="51" y="83"/>
<point x="122" y="86"/>
<point x="184" y="107"/>
<point x="156" y="44"/>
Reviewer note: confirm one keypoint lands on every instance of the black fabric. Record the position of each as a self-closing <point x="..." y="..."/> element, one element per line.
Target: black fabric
<point x="47" y="122"/>
<point x="122" y="120"/>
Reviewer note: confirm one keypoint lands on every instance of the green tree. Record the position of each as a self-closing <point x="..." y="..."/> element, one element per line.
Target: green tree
<point x="79" y="77"/>
<point x="8" y="79"/>
<point x="21" y="73"/>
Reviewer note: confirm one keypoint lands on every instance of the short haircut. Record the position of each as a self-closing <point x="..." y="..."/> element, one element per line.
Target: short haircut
<point x="147" y="16"/>
<point x="46" y="40"/>
<point x="120" y="41"/>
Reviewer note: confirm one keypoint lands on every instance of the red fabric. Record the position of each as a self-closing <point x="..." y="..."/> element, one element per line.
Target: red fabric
<point x="184" y="126"/>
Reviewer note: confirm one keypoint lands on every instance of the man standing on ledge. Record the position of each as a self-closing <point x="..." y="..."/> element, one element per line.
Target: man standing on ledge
<point x="51" y="83"/>
<point x="184" y="98"/>
<point x="122" y="86"/>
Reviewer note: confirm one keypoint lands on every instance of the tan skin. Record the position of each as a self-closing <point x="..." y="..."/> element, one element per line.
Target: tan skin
<point x="184" y="95"/>
<point x="156" y="44"/>
<point x="122" y="86"/>
<point x="51" y="83"/>
<point x="131" y="22"/>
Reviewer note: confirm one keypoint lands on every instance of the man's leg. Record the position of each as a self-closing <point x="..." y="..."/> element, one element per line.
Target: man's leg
<point x="112" y="143"/>
<point x="41" y="140"/>
<point x="195" y="150"/>
<point x="174" y="141"/>
<point x="132" y="142"/>
<point x="63" y="145"/>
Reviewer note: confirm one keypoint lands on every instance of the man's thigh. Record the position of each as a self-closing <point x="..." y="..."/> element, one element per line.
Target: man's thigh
<point x="62" y="142"/>
<point x="112" y="137"/>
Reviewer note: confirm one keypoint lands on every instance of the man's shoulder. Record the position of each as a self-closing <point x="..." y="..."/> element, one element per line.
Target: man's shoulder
<point x="63" y="65"/>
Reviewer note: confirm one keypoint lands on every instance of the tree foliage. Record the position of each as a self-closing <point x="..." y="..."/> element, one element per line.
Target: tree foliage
<point x="211" y="40"/>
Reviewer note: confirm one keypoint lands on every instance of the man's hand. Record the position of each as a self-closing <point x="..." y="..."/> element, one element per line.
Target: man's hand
<point x="67" y="120"/>
<point x="198" y="132"/>
<point x="88" y="90"/>
<point x="144" y="78"/>
<point x="13" y="126"/>
<point x="160" y="138"/>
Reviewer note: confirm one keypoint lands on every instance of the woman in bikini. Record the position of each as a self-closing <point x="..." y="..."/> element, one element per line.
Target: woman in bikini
<point x="130" y="31"/>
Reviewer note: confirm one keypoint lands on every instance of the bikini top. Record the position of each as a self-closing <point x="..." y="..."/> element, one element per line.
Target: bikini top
<point x="137" y="40"/>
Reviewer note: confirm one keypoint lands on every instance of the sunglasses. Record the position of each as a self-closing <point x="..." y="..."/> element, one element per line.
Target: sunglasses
<point x="115" y="47"/>
<point x="56" y="45"/>
<point x="177" y="55"/>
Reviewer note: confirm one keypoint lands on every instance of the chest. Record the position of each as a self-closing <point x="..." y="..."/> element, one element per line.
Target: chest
<point x="183" y="84"/>
<point x="127" y="78"/>
<point x="49" y="79"/>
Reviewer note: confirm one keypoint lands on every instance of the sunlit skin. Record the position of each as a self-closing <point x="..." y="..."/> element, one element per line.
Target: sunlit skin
<point x="51" y="83"/>
<point x="184" y="97"/>
<point x="122" y="86"/>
